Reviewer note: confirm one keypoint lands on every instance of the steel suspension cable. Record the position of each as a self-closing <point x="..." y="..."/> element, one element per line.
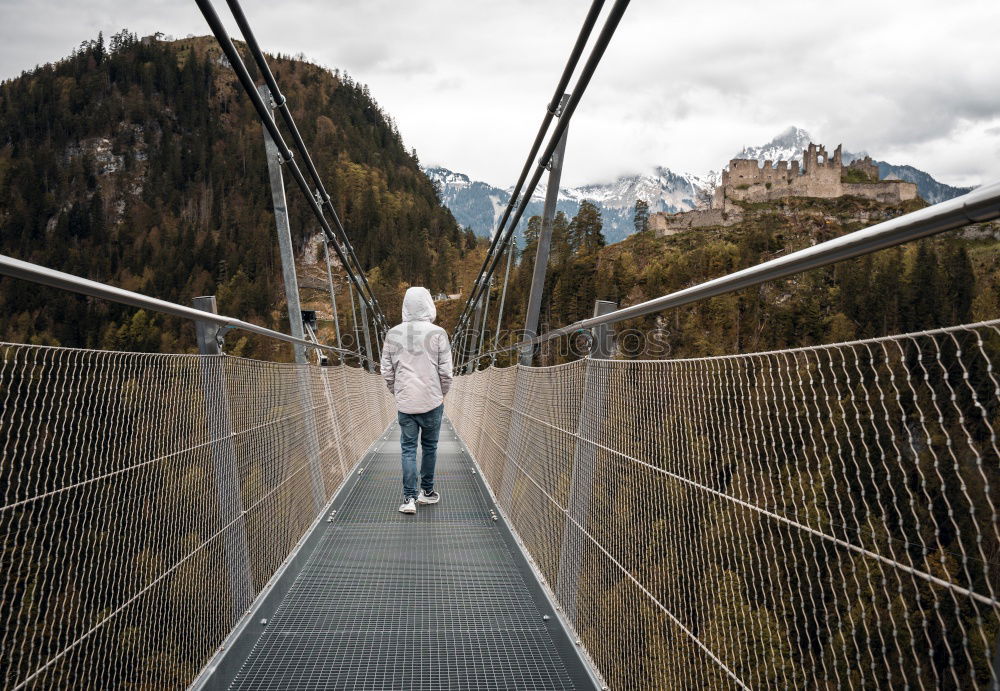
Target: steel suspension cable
<point x="586" y="74"/>
<point x="42" y="275"/>
<point x="354" y="318"/>
<point x="264" y="113"/>
<point x="281" y="105"/>
<point x="333" y="295"/>
<point x="462" y="339"/>
<point x="550" y="111"/>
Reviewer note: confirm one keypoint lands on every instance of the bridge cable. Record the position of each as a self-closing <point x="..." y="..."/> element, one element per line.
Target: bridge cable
<point x="281" y="105"/>
<point x="550" y="110"/>
<point x="586" y="74"/>
<point x="266" y="118"/>
<point x="486" y="317"/>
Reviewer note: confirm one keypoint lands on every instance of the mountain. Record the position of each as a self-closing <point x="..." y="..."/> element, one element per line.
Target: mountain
<point x="929" y="189"/>
<point x="141" y="164"/>
<point x="787" y="146"/>
<point x="479" y="205"/>
<point x="664" y="190"/>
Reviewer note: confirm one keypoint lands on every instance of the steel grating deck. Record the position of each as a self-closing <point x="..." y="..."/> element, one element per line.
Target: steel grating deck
<point x="440" y="600"/>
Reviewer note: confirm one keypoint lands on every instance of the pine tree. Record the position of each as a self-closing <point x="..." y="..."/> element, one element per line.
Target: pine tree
<point x="562" y="244"/>
<point x="924" y="290"/>
<point x="98" y="48"/>
<point x="961" y="291"/>
<point x="641" y="216"/>
<point x="586" y="229"/>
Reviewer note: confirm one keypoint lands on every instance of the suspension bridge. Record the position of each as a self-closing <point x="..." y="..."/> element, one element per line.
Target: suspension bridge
<point x="820" y="517"/>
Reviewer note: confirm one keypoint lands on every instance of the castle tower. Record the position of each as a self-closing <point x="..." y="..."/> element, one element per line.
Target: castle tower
<point x="809" y="158"/>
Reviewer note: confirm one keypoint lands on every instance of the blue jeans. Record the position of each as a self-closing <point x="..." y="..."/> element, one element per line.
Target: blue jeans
<point x="428" y="426"/>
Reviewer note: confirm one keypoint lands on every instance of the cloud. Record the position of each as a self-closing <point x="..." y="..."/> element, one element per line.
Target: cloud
<point x="680" y="86"/>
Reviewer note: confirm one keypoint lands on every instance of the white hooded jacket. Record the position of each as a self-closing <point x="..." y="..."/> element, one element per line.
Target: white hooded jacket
<point x="416" y="357"/>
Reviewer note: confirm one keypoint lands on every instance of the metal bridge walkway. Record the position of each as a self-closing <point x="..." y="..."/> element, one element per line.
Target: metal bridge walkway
<point x="442" y="600"/>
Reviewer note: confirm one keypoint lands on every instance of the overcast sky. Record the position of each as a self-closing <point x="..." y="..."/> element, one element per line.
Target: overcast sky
<point x="683" y="85"/>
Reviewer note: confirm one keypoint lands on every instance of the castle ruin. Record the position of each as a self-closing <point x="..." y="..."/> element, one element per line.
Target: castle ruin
<point x="818" y="175"/>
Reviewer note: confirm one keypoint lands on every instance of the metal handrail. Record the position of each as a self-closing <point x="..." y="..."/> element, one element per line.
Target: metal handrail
<point x="979" y="205"/>
<point x="36" y="273"/>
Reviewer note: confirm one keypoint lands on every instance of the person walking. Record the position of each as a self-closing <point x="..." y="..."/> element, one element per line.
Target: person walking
<point x="416" y="366"/>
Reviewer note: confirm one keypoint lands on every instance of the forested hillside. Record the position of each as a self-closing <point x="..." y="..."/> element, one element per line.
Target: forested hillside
<point x="141" y="164"/>
<point x="950" y="279"/>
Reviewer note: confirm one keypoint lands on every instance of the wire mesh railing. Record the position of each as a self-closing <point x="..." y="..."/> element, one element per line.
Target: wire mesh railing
<point x="147" y="499"/>
<point x="823" y="517"/>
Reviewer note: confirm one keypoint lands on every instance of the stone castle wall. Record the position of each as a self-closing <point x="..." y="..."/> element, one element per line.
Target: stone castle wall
<point x="667" y="224"/>
<point x="819" y="175"/>
<point x="885" y="191"/>
<point x="866" y="166"/>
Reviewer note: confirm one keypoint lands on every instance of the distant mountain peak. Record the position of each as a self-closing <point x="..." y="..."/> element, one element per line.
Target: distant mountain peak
<point x="444" y="176"/>
<point x="787" y="146"/>
<point x="791" y="136"/>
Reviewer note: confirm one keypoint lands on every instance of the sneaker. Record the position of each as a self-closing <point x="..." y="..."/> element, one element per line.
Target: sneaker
<point x="408" y="506"/>
<point x="431" y="497"/>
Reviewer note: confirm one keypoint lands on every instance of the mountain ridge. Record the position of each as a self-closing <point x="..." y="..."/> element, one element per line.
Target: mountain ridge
<point x="479" y="205"/>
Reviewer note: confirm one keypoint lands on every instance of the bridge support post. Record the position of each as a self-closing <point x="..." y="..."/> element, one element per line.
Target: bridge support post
<point x="227" y="483"/>
<point x="284" y="238"/>
<point x="368" y="338"/>
<point x="294" y="308"/>
<point x="582" y="478"/>
<point x="544" y="242"/>
<point x="474" y="336"/>
<point x="485" y="319"/>
<point x="333" y="295"/>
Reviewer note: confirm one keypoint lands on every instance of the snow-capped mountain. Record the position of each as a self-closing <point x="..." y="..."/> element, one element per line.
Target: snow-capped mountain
<point x="664" y="190"/>
<point x="474" y="204"/>
<point x="480" y="205"/>
<point x="787" y="146"/>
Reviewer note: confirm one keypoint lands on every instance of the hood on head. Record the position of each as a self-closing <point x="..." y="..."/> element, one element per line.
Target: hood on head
<point x="418" y="306"/>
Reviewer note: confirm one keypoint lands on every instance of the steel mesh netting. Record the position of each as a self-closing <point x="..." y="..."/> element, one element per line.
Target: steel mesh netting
<point x="148" y="498"/>
<point x="822" y="517"/>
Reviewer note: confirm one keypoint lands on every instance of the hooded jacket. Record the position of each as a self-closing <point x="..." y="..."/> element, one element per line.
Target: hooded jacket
<point x="416" y="357"/>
